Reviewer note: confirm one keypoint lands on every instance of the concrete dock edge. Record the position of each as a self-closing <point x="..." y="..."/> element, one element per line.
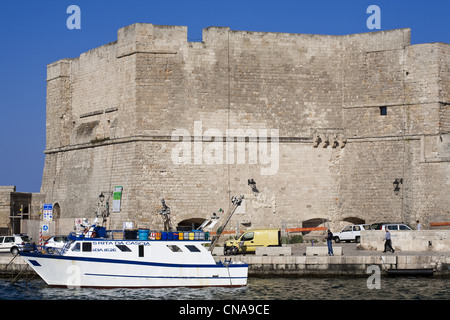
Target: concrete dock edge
<point x="338" y="265"/>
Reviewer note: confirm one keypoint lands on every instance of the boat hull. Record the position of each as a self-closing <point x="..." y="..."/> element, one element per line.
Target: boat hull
<point x="79" y="272"/>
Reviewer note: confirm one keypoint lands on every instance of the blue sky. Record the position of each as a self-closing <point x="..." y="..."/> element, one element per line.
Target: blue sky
<point x="33" y="33"/>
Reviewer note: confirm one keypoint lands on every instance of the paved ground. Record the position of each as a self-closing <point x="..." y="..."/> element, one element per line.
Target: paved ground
<point x="350" y="249"/>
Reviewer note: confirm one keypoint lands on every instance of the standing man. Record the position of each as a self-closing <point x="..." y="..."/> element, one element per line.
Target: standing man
<point x="330" y="243"/>
<point x="388" y="242"/>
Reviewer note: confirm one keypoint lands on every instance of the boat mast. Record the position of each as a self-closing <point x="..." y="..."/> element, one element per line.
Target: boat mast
<point x="235" y="202"/>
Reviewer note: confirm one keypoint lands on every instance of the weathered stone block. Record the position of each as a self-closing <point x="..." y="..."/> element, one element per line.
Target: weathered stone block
<point x="273" y="251"/>
<point x="322" y="251"/>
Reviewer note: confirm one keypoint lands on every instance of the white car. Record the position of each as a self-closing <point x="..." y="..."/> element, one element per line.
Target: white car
<point x="351" y="233"/>
<point x="12" y="243"/>
<point x="390" y="226"/>
<point x="57" y="242"/>
<point x="395" y="226"/>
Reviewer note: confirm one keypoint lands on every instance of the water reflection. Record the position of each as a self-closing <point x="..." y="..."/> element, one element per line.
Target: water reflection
<point x="433" y="288"/>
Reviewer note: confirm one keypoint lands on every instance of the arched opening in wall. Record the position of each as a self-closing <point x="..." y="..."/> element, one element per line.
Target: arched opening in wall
<point x="56" y="211"/>
<point x="190" y="224"/>
<point x="56" y="216"/>
<point x="354" y="220"/>
<point x="314" y="223"/>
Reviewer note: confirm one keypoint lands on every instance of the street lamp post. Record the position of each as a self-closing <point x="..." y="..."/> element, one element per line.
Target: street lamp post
<point x="103" y="209"/>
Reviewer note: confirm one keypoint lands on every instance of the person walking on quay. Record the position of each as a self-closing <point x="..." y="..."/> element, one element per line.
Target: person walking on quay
<point x="388" y="242"/>
<point x="330" y="243"/>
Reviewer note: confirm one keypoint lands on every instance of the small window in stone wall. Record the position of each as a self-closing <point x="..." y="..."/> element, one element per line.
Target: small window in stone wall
<point x="383" y="111"/>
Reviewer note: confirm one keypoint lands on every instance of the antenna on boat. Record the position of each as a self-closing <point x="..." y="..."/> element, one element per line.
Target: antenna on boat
<point x="235" y="202"/>
<point x="165" y="212"/>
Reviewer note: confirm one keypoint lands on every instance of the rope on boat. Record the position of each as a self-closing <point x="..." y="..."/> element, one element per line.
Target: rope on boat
<point x="228" y="269"/>
<point x="18" y="275"/>
<point x="6" y="267"/>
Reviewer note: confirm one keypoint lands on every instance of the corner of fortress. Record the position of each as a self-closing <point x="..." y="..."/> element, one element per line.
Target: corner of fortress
<point x="323" y="124"/>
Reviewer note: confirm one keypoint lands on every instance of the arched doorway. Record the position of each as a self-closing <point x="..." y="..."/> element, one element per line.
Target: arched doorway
<point x="314" y="223"/>
<point x="56" y="216"/>
<point x="354" y="220"/>
<point x="56" y="211"/>
<point x="190" y="224"/>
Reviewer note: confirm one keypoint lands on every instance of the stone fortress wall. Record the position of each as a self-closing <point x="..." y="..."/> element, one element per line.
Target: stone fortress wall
<point x="344" y="117"/>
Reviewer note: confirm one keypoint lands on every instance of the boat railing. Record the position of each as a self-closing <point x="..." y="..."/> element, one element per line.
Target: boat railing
<point x="38" y="249"/>
<point x="147" y="234"/>
<point x="141" y="234"/>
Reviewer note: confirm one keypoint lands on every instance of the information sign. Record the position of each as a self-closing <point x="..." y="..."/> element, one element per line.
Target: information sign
<point x="48" y="212"/>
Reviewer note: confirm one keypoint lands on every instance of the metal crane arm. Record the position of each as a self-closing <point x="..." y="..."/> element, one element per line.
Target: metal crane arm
<point x="235" y="202"/>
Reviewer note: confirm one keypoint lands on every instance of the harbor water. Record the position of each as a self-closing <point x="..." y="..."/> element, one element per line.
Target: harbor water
<point x="334" y="288"/>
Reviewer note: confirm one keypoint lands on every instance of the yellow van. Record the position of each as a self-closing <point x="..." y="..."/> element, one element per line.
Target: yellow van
<point x="249" y="240"/>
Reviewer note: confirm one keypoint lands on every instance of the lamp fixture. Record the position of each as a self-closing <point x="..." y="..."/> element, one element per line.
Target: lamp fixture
<point x="396" y="184"/>
<point x="252" y="184"/>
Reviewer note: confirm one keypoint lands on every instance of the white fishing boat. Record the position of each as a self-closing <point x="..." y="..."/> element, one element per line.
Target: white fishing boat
<point x="105" y="263"/>
<point x="150" y="259"/>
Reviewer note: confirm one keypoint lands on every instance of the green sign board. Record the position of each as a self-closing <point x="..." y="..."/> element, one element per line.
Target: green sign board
<point x="117" y="198"/>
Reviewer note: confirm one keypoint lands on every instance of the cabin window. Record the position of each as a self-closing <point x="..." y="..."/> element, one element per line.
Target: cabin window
<point x="123" y="248"/>
<point x="174" y="248"/>
<point x="141" y="250"/>
<point x="192" y="248"/>
<point x="87" y="246"/>
<point x="76" y="247"/>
